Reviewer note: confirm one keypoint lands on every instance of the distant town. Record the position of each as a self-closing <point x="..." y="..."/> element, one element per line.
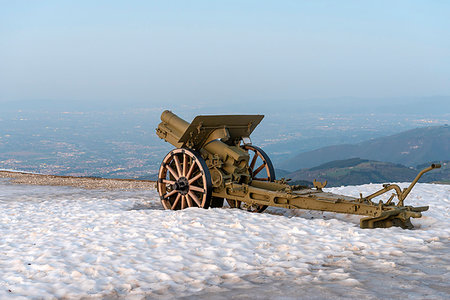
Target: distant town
<point x="123" y="143"/>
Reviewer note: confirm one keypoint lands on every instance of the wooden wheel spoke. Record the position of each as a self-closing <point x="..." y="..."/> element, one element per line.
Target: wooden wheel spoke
<point x="168" y="181"/>
<point x="169" y="194"/>
<point x="189" y="201"/>
<point x="184" y="164"/>
<point x="172" y="171"/>
<point x="196" y="188"/>
<point x="183" y="202"/>
<point x="195" y="198"/>
<point x="178" y="165"/>
<point x="191" y="169"/>
<point x="259" y="169"/>
<point x="176" y="201"/>
<point x="195" y="178"/>
<point x="252" y="164"/>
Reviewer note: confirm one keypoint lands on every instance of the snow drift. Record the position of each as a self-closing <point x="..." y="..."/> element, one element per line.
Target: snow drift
<point x="60" y="242"/>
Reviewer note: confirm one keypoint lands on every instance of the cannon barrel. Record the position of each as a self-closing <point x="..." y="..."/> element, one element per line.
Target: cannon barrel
<point x="171" y="128"/>
<point x="174" y="121"/>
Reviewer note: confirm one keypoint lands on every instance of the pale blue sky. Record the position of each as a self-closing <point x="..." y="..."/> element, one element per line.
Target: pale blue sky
<point x="197" y="51"/>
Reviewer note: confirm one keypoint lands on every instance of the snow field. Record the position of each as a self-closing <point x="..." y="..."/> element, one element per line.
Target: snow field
<point x="60" y="242"/>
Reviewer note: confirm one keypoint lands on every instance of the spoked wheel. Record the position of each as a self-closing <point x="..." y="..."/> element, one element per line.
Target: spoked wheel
<point x="261" y="169"/>
<point x="184" y="180"/>
<point x="260" y="165"/>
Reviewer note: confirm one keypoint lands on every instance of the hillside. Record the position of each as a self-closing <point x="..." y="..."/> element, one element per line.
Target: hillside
<point x="409" y="148"/>
<point x="359" y="171"/>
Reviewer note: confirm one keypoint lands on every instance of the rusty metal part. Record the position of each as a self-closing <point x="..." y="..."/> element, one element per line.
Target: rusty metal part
<point x="219" y="147"/>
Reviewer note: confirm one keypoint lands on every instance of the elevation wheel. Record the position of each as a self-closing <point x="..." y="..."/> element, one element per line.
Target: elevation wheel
<point x="261" y="169"/>
<point x="184" y="180"/>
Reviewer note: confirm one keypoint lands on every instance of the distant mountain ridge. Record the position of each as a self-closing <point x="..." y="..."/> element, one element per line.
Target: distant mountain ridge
<point x="409" y="148"/>
<point x="356" y="171"/>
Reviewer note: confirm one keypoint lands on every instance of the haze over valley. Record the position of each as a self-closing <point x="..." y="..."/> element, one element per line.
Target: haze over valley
<point x="118" y="141"/>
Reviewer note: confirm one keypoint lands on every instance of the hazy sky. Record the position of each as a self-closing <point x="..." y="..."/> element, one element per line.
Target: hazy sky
<point x="190" y="51"/>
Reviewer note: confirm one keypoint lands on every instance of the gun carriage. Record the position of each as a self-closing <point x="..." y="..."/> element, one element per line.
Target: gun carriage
<point x="214" y="161"/>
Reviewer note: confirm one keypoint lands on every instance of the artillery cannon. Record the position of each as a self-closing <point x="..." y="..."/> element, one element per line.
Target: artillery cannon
<point x="215" y="160"/>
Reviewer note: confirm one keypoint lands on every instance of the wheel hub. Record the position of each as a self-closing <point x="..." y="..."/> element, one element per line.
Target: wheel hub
<point x="182" y="185"/>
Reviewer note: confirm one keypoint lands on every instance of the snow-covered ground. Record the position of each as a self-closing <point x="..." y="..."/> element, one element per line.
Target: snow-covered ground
<point x="63" y="242"/>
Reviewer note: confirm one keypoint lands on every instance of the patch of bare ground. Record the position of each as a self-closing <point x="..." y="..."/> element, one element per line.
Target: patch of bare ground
<point x="80" y="182"/>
